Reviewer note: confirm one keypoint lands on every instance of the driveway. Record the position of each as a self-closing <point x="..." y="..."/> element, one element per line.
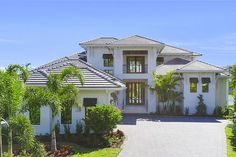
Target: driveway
<point x="153" y="136"/>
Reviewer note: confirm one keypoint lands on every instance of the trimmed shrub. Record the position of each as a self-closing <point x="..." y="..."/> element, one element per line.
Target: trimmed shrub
<point x="102" y="119"/>
<point x="201" y="108"/>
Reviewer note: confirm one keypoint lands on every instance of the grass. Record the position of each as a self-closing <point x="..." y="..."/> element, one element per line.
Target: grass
<point x="231" y="145"/>
<point x="93" y="152"/>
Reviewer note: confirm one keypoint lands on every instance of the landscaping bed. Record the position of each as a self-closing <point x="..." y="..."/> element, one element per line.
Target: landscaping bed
<point x="231" y="141"/>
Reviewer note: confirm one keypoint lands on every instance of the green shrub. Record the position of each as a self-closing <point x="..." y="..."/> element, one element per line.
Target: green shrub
<point x="219" y="111"/>
<point x="79" y="128"/>
<point x="103" y="119"/>
<point x="201" y="107"/>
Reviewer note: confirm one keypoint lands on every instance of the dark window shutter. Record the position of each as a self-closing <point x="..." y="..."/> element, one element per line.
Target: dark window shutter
<point x="88" y="102"/>
<point x="107" y="56"/>
<point x="206" y="80"/>
<point x="193" y="80"/>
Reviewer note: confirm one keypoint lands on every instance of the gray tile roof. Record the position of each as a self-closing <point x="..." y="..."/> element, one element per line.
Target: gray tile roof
<point x="201" y="66"/>
<point x="94" y="78"/>
<point x="136" y="40"/>
<point x="171" y="50"/>
<point x="187" y="66"/>
<point x="100" y="41"/>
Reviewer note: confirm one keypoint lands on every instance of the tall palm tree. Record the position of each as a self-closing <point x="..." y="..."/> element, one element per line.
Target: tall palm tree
<point x="57" y="95"/>
<point x="11" y="95"/>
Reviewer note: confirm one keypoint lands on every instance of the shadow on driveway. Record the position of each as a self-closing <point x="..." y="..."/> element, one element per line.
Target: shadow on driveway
<point x="131" y="119"/>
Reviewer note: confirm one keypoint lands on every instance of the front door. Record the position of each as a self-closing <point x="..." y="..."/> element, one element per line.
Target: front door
<point x="135" y="93"/>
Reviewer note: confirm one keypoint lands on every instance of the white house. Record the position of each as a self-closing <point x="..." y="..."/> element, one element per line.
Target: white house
<point x="134" y="59"/>
<point x="97" y="89"/>
<point x="131" y="63"/>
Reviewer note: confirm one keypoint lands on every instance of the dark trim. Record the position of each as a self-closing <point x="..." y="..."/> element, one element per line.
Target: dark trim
<point x="193" y="80"/>
<point x="206" y="80"/>
<point x="107" y="56"/>
<point x="138" y="52"/>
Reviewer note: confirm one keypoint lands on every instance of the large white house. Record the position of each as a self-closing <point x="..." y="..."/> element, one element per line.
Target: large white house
<point x="120" y="71"/>
<point x="134" y="59"/>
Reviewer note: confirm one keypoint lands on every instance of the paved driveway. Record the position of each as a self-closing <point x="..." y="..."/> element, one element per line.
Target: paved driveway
<point x="153" y="136"/>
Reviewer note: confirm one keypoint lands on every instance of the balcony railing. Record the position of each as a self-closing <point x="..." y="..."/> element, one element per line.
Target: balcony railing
<point x="133" y="69"/>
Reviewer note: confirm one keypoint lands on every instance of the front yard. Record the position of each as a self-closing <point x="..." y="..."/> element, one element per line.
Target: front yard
<point x="231" y="144"/>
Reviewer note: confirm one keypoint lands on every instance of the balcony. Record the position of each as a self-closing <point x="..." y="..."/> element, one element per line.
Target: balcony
<point x="135" y="69"/>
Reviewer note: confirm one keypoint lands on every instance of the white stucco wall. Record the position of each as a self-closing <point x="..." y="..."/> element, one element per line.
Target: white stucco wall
<point x="103" y="97"/>
<point x="191" y="100"/>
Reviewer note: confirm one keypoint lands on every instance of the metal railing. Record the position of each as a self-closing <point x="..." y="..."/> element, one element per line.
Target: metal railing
<point x="134" y="69"/>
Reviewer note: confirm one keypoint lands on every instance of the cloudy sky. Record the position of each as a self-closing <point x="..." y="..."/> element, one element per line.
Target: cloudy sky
<point x="39" y="31"/>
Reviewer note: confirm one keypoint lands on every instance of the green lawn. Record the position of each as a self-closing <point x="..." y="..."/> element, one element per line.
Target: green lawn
<point x="92" y="152"/>
<point x="231" y="147"/>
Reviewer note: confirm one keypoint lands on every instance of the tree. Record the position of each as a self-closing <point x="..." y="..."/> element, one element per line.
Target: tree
<point x="57" y="95"/>
<point x="233" y="84"/>
<point x="165" y="87"/>
<point x="11" y="96"/>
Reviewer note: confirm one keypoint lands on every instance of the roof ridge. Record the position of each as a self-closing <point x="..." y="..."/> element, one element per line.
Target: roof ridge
<point x="201" y="62"/>
<point x="183" y="49"/>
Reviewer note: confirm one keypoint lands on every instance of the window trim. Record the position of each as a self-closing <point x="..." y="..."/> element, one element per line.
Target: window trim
<point x="206" y="81"/>
<point x="193" y="80"/>
<point x="135" y="60"/>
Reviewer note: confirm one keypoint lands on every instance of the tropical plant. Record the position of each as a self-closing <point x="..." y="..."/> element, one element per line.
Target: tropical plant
<point x="233" y="84"/>
<point x="102" y="119"/>
<point x="12" y="85"/>
<point x="57" y="95"/>
<point x="201" y="107"/>
<point x="165" y="87"/>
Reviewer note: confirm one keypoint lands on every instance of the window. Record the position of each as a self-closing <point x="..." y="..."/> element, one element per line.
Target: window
<point x="193" y="85"/>
<point x="135" y="93"/>
<point x="89" y="102"/>
<point x="108" y="60"/>
<point x="205" y="84"/>
<point x="159" y="60"/>
<point x="66" y="115"/>
<point x="34" y="116"/>
<point x="109" y="71"/>
<point x="135" y="64"/>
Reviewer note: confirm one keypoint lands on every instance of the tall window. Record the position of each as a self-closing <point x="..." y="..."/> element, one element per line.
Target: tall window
<point x="135" y="93"/>
<point x="193" y="85"/>
<point x="159" y="60"/>
<point x="34" y="115"/>
<point x="66" y="115"/>
<point x="205" y="84"/>
<point x="135" y="64"/>
<point x="89" y="102"/>
<point x="109" y="71"/>
<point x="108" y="60"/>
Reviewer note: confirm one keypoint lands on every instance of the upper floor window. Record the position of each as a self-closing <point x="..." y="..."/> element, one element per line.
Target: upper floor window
<point x="205" y="84"/>
<point x="135" y="64"/>
<point x="66" y="115"/>
<point x="193" y="85"/>
<point x="160" y="60"/>
<point x="108" y="60"/>
<point x="34" y="115"/>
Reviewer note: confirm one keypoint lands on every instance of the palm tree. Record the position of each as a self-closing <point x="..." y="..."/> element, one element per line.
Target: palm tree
<point x="57" y="95"/>
<point x="165" y="86"/>
<point x="11" y="95"/>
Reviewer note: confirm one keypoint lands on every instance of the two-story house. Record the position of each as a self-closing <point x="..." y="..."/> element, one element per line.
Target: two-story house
<point x="134" y="59"/>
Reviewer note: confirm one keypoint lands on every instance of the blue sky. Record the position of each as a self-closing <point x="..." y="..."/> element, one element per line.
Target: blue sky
<point x="39" y="31"/>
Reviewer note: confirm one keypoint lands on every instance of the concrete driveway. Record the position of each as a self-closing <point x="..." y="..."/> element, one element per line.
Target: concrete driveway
<point x="153" y="136"/>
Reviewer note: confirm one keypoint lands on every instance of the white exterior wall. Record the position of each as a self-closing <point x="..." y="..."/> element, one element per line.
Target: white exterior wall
<point x="221" y="92"/>
<point x="103" y="97"/>
<point x="191" y="100"/>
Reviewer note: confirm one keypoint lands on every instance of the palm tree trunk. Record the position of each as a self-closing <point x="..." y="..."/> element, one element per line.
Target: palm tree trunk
<point x="0" y="139"/>
<point x="10" y="142"/>
<point x="53" y="140"/>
